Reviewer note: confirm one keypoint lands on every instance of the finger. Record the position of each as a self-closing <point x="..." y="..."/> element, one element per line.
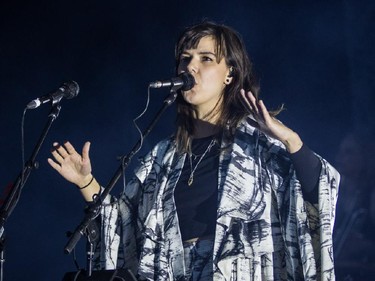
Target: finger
<point x="60" y="149"/>
<point x="264" y="111"/>
<point x="85" y="151"/>
<point x="245" y="101"/>
<point x="251" y="97"/>
<point x="57" y="156"/>
<point x="54" y="165"/>
<point x="262" y="106"/>
<point x="55" y="145"/>
<point x="69" y="147"/>
<point x="253" y="101"/>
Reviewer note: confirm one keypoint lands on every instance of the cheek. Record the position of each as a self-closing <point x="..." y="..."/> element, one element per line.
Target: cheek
<point x="213" y="78"/>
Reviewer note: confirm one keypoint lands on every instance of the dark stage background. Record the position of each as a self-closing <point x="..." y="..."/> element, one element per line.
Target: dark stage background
<point x="316" y="57"/>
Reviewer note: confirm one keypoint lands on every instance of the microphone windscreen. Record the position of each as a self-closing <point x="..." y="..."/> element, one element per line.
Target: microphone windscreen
<point x="71" y="89"/>
<point x="188" y="80"/>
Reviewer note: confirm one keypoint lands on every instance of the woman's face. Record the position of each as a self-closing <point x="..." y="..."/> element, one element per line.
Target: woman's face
<point x="210" y="76"/>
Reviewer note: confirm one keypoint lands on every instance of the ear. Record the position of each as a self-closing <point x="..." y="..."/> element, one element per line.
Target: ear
<point x="229" y="77"/>
<point x="228" y="80"/>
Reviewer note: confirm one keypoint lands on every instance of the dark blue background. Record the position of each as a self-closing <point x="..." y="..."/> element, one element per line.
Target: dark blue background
<point x="316" y="57"/>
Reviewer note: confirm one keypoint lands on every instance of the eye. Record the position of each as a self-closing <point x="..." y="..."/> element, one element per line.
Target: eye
<point x="207" y="58"/>
<point x="185" y="59"/>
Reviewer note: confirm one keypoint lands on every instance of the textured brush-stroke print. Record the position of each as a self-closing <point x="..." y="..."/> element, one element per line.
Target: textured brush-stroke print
<point x="265" y="230"/>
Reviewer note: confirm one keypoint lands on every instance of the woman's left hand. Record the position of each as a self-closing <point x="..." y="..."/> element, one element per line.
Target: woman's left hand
<point x="270" y="125"/>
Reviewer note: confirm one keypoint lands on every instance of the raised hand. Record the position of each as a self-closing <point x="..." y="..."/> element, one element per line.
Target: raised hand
<point x="70" y="164"/>
<point x="270" y="125"/>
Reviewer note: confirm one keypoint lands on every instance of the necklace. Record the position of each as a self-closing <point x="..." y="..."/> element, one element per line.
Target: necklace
<point x="191" y="177"/>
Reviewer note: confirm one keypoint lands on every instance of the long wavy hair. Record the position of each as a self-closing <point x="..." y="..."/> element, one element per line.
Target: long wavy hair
<point x="230" y="46"/>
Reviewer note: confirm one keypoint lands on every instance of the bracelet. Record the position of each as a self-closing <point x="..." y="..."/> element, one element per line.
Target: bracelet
<point x="83" y="187"/>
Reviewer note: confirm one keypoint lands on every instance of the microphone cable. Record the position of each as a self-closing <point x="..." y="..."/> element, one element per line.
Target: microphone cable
<point x="141" y="140"/>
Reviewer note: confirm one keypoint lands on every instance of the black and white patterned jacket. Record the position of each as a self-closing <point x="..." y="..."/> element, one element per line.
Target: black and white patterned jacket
<point x="265" y="229"/>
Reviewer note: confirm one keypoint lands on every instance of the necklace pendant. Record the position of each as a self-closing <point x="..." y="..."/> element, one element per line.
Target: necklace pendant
<point x="191" y="178"/>
<point x="190" y="181"/>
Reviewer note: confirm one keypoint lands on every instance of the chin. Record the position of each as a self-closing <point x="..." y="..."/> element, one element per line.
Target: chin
<point x="188" y="96"/>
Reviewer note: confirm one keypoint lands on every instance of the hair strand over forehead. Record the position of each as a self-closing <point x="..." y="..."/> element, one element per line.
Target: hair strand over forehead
<point x="191" y="38"/>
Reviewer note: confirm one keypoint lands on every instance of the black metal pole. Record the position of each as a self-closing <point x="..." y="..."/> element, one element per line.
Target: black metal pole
<point x="13" y="197"/>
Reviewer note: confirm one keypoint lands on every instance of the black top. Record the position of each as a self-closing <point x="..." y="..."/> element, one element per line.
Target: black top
<point x="197" y="203"/>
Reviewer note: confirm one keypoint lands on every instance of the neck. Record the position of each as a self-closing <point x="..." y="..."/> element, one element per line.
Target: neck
<point x="204" y="129"/>
<point x="208" y="112"/>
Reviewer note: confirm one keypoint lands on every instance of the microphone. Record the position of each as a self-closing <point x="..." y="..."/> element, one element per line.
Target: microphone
<point x="185" y="81"/>
<point x="68" y="90"/>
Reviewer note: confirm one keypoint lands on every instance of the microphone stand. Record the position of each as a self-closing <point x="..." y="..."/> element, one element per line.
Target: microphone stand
<point x="15" y="194"/>
<point x="125" y="160"/>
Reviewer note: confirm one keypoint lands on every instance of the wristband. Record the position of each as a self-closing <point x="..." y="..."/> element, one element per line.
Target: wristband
<point x="83" y="187"/>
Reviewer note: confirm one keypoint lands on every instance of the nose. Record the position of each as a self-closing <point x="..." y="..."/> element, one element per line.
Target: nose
<point x="192" y="66"/>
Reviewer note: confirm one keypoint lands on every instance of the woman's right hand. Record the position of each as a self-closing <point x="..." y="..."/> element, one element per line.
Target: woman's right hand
<point x="70" y="164"/>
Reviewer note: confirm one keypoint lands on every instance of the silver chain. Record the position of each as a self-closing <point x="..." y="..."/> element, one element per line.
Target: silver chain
<point x="191" y="177"/>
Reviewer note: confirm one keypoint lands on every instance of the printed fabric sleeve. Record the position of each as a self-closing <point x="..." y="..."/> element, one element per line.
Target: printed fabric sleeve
<point x="310" y="225"/>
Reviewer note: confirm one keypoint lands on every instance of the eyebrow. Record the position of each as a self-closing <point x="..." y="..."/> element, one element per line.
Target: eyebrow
<point x="200" y="53"/>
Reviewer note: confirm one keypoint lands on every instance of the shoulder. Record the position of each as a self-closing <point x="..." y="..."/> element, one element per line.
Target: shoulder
<point x="163" y="146"/>
<point x="250" y="142"/>
<point x="156" y="158"/>
<point x="247" y="130"/>
<point x="160" y="152"/>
